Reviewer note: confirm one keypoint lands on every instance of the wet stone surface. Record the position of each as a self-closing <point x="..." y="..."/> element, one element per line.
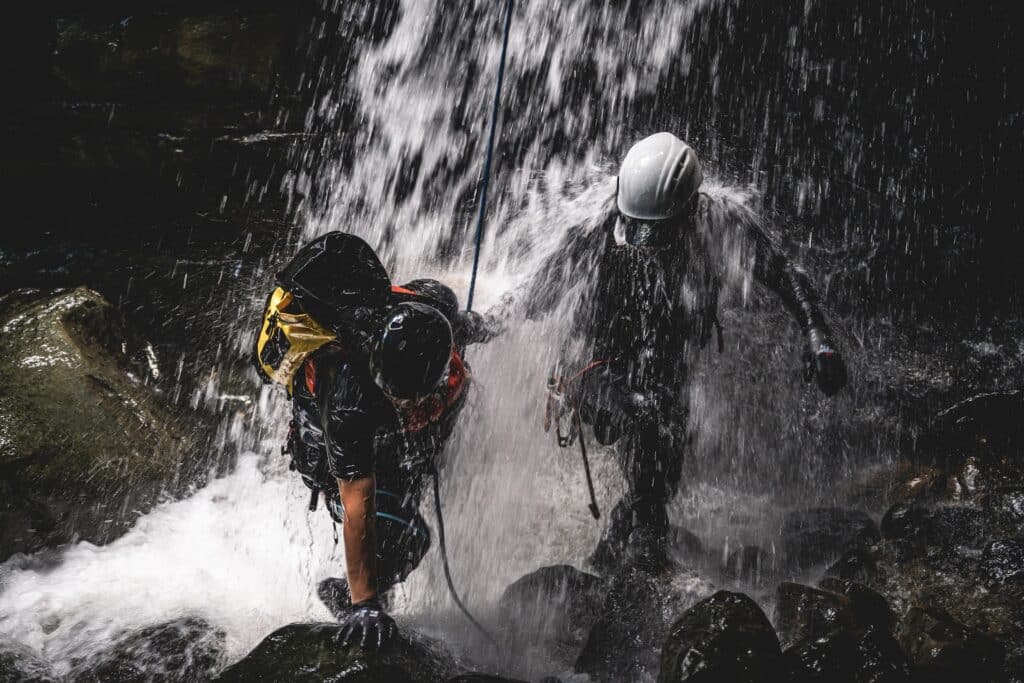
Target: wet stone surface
<point x="818" y="535"/>
<point x="184" y="650"/>
<point x="558" y="603"/>
<point x="725" y="637"/>
<point x="806" y="613"/>
<point x="942" y="649"/>
<point x="310" y="653"/>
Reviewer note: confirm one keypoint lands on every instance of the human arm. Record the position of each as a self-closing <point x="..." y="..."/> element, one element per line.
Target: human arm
<point x="776" y="272"/>
<point x="358" y="532"/>
<point x="574" y="258"/>
<point x="348" y="427"/>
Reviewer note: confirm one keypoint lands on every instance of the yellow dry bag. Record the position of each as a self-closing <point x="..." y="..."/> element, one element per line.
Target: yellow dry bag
<point x="287" y="337"/>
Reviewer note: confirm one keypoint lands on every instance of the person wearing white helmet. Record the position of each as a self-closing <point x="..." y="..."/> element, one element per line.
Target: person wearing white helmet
<point x="653" y="265"/>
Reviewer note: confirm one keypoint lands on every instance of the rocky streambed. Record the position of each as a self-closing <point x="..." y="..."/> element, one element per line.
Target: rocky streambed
<point x="930" y="590"/>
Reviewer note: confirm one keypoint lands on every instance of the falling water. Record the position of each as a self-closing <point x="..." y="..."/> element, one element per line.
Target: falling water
<point x="244" y="553"/>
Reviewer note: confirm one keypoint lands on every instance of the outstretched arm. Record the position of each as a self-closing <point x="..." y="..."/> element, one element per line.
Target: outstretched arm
<point x="576" y="257"/>
<point x="791" y="284"/>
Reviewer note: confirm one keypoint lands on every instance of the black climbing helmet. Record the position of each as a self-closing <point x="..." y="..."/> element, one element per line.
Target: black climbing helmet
<point x="409" y="359"/>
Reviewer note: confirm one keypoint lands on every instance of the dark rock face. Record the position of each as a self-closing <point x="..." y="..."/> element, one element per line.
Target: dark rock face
<point x="482" y="678"/>
<point x="805" y="613"/>
<point x="811" y="537"/>
<point x="870" y="609"/>
<point x="557" y="603"/>
<point x="310" y="653"/>
<point x="846" y="657"/>
<point x="631" y="623"/>
<point x="1003" y="562"/>
<point x="87" y="443"/>
<point x="943" y="649"/>
<point x="724" y="638"/>
<point x="19" y="665"/>
<point x="856" y="564"/>
<point x="184" y="650"/>
<point x="988" y="425"/>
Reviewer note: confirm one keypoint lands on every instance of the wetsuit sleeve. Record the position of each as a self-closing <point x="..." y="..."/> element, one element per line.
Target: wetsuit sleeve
<point x="576" y="258"/>
<point x="350" y="427"/>
<point x="776" y="272"/>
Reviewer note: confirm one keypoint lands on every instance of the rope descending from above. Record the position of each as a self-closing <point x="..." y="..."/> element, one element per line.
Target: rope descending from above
<point x="486" y="178"/>
<point x="484" y="182"/>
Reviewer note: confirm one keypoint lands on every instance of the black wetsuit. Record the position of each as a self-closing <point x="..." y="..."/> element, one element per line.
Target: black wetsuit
<point x="643" y="316"/>
<point x="367" y="435"/>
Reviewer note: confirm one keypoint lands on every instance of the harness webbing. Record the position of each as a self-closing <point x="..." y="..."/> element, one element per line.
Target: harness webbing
<point x="485" y="179"/>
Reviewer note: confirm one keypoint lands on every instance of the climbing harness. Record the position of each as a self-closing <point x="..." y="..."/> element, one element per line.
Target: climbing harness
<point x="562" y="411"/>
<point x="485" y="179"/>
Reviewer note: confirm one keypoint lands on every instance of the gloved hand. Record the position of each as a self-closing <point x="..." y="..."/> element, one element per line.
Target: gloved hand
<point x="369" y="623"/>
<point x="824" y="363"/>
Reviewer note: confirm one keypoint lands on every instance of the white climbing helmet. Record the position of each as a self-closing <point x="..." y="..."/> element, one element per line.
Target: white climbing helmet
<point x="658" y="178"/>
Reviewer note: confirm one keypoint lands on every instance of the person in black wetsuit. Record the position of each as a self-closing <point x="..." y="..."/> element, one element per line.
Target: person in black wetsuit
<point x="372" y="410"/>
<point x="652" y="266"/>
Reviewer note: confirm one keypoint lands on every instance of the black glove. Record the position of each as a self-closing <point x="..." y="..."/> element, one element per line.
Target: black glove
<point x="369" y="623"/>
<point x="824" y="363"/>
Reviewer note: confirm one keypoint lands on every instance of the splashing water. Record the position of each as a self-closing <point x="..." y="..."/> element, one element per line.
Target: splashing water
<point x="245" y="554"/>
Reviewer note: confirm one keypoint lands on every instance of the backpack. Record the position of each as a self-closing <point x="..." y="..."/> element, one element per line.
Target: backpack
<point x="331" y="290"/>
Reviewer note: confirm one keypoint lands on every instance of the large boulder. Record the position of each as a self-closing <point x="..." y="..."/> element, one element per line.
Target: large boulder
<point x="311" y="653"/>
<point x="1003" y="562"/>
<point x="179" y="651"/>
<point x="85" y="441"/>
<point x="803" y="612"/>
<point x="641" y="601"/>
<point x="558" y="603"/>
<point x="725" y="638"/>
<point x="942" y="649"/>
<point x="987" y="425"/>
<point x="817" y="535"/>
<point x="622" y="643"/>
<point x="846" y="656"/>
<point x="18" y="664"/>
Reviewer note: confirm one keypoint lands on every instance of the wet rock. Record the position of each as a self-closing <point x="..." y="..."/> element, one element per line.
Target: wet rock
<point x="310" y="653"/>
<point x="182" y="650"/>
<point x="941" y="525"/>
<point x="811" y="537"/>
<point x="621" y="644"/>
<point x="856" y="564"/>
<point x="552" y="603"/>
<point x="747" y="564"/>
<point x="1005" y="509"/>
<point x="880" y="658"/>
<point x="20" y="665"/>
<point x="684" y="544"/>
<point x="806" y="613"/>
<point x="333" y="592"/>
<point x="942" y="649"/>
<point x="85" y="442"/>
<point x="987" y="425"/>
<point x="846" y="657"/>
<point x="870" y="608"/>
<point x="1003" y="562"/>
<point x="725" y="638"/>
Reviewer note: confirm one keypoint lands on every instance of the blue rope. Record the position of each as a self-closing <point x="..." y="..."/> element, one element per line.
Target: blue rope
<point x="485" y="181"/>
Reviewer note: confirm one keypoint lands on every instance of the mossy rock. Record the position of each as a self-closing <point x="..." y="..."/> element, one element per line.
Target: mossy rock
<point x="86" y="442"/>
